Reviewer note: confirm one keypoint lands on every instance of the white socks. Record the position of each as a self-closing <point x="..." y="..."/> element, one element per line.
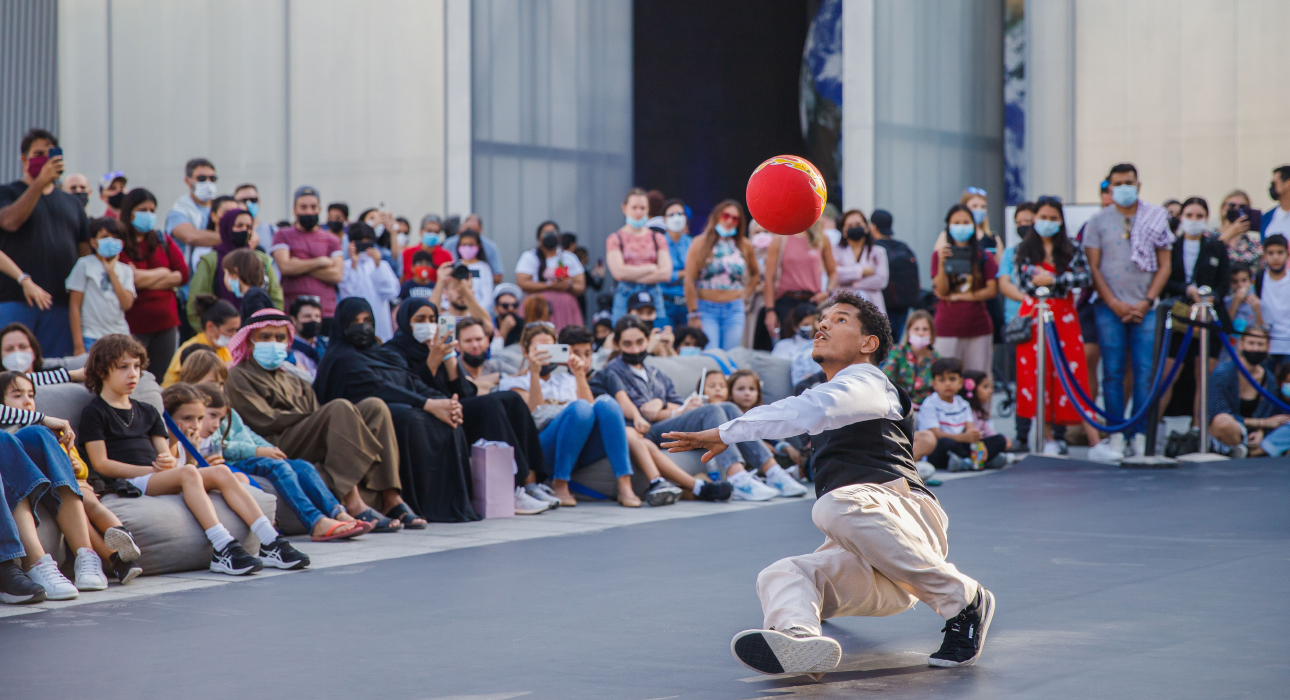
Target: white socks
<point x="777" y="470"/>
<point x="698" y="486"/>
<point x="263" y="530"/>
<point x="739" y="477"/>
<point x="219" y="536"/>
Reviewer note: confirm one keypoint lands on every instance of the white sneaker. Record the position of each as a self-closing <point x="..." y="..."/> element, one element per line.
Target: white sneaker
<point x="1108" y="450"/>
<point x="1139" y="445"/>
<point x="526" y="504"/>
<point x="925" y="469"/>
<point x="46" y="575"/>
<point x="788" y="487"/>
<point x="543" y="493"/>
<point x="89" y="571"/>
<point x="748" y="488"/>
<point x="1052" y="448"/>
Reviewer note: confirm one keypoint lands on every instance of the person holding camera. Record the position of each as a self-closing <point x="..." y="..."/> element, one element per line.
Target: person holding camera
<point x="1243" y="246"/>
<point x="368" y="276"/>
<point x="557" y="275"/>
<point x="963" y="277"/>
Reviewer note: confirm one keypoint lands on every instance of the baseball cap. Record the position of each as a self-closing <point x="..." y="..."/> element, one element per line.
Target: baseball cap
<point x="882" y="219"/>
<point x="508" y="288"/>
<point x="640" y="300"/>
<point x="109" y="178"/>
<point x="305" y="191"/>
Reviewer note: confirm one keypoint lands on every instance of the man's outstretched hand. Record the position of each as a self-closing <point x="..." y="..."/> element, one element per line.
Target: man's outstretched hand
<point x="709" y="440"/>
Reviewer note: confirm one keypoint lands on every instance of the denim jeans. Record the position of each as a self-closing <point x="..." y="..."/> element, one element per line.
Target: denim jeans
<point x="706" y="418"/>
<point x="1116" y="337"/>
<point x="723" y="323"/>
<point x="298" y="483"/>
<point x="44" y="451"/>
<point x="678" y="314"/>
<point x="1276" y="442"/>
<point x="755" y="452"/>
<point x="626" y="290"/>
<point x="10" y="544"/>
<point x="51" y="327"/>
<point x="20" y="476"/>
<point x="583" y="433"/>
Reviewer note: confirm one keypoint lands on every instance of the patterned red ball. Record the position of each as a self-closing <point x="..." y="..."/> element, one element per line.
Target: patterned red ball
<point x="786" y="194"/>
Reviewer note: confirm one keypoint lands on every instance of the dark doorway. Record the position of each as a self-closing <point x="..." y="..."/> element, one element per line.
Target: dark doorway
<point x="716" y="93"/>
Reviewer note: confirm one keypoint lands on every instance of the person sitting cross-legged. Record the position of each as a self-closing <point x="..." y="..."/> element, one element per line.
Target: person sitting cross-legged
<point x="1239" y="415"/>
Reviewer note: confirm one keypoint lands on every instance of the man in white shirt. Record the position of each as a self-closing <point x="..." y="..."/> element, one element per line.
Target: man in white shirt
<point x="871" y="500"/>
<point x="1277" y="219"/>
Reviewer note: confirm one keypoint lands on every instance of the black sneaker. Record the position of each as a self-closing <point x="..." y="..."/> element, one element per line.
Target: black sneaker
<point x="790" y="651"/>
<point x="715" y="491"/>
<point x="281" y="555"/>
<point x="234" y="561"/>
<point x="965" y="633"/>
<point x="16" y="587"/>
<point x="1020" y="447"/>
<point x="662" y="493"/>
<point x="120" y="540"/>
<point x="126" y="571"/>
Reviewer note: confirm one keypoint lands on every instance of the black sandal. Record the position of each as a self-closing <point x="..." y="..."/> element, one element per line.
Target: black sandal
<point x="382" y="523"/>
<point x="404" y="514"/>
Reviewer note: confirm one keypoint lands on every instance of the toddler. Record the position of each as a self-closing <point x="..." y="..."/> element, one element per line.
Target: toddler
<point x="1243" y="305"/>
<point x="947" y="420"/>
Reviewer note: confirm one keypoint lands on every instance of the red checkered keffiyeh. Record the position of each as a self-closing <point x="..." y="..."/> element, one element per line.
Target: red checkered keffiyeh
<point x="240" y="346"/>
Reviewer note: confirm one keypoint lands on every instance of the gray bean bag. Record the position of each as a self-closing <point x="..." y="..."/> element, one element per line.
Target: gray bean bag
<point x="599" y="476"/>
<point x="169" y="535"/>
<point x="66" y="401"/>
<point x="287" y="523"/>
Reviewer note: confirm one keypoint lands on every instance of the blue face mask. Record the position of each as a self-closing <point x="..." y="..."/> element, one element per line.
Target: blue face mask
<point x="689" y="351"/>
<point x="637" y="223"/>
<point x="962" y="232"/>
<point x="1046" y="228"/>
<point x="253" y="208"/>
<point x="108" y="247"/>
<point x="1285" y="389"/>
<point x="726" y="232"/>
<point x="144" y="221"/>
<point x="978" y="215"/>
<point x="234" y="287"/>
<point x="270" y="355"/>
<point x="1124" y="195"/>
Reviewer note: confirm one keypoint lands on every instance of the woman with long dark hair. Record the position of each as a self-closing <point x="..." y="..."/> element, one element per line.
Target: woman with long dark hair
<point x="862" y="266"/>
<point x="555" y="274"/>
<point x="159" y="269"/>
<point x="963" y="279"/>
<point x="720" y="270"/>
<point x="1047" y="257"/>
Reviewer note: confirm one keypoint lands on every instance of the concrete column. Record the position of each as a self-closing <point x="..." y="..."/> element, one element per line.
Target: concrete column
<point x="1050" y="98"/>
<point x="458" y="176"/>
<point x="858" y="104"/>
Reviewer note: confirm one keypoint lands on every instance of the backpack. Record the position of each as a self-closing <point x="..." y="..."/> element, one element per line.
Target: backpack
<point x="902" y="290"/>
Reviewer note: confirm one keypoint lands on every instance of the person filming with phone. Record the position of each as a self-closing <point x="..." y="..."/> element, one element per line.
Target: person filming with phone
<point x="963" y="278"/>
<point x="43" y="230"/>
<point x="368" y="276"/>
<point x="454" y="293"/>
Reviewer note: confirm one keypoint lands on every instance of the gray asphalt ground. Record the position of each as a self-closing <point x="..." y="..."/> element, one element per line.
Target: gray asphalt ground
<point x="1111" y="583"/>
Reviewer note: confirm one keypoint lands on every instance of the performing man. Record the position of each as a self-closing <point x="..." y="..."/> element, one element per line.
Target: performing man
<point x="885" y="534"/>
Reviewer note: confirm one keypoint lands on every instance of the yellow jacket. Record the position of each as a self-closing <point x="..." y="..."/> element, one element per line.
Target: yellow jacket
<point x="172" y="372"/>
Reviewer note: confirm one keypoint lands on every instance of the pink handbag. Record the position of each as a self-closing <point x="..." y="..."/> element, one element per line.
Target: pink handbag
<point x="492" y="468"/>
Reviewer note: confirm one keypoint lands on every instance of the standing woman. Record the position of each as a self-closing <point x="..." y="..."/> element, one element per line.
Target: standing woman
<point x="974" y="198"/>
<point x="862" y="266"/>
<point x="639" y="258"/>
<point x="963" y="326"/>
<point x="235" y="231"/>
<point x="555" y="274"/>
<point x="1243" y="248"/>
<point x="677" y="222"/>
<point x="1046" y="257"/>
<point x="159" y="269"/>
<point x="793" y="270"/>
<point x="720" y="268"/>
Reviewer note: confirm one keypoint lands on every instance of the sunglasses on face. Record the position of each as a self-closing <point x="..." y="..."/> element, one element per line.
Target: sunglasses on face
<point x="204" y="178"/>
<point x="729" y="217"/>
<point x="250" y="200"/>
<point x="539" y="324"/>
<point x="976" y="191"/>
<point x="507" y="307"/>
<point x="1048" y="199"/>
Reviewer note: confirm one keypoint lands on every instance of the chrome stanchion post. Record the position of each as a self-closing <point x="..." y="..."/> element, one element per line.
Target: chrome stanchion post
<point x="1042" y="316"/>
<point x="1202" y="313"/>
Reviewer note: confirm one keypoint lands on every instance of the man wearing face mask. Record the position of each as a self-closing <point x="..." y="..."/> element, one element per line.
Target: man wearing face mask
<point x="112" y="192"/>
<point x="476" y="224"/>
<point x="1239" y="415"/>
<point x="249" y="196"/>
<point x="78" y="186"/>
<point x="472" y="344"/>
<point x="309" y="256"/>
<point x="189" y="215"/>
<point x="309" y="344"/>
<point x="43" y="230"/>
<point x="1277" y="219"/>
<point x="797" y="349"/>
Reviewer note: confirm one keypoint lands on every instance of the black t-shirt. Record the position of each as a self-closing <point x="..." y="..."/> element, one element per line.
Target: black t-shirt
<point x="127" y="433"/>
<point x="1248" y="406"/>
<point x="45" y="245"/>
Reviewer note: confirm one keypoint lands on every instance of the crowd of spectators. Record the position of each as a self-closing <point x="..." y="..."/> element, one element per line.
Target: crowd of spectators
<point x="353" y="362"/>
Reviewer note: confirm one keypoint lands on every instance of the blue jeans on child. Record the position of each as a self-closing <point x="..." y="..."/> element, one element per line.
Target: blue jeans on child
<point x="583" y="433"/>
<point x="10" y="543"/>
<point x="1116" y="338"/>
<point x="752" y="453"/>
<point x="23" y="476"/>
<point x="298" y="483"/>
<point x="42" y="448"/>
<point x="626" y="290"/>
<point x="723" y="323"/>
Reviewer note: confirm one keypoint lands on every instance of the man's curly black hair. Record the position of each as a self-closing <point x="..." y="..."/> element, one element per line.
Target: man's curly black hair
<point x="872" y="320"/>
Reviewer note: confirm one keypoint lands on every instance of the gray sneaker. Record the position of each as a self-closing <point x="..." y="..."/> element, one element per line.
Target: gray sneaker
<point x="542" y="492"/>
<point x="662" y="493"/>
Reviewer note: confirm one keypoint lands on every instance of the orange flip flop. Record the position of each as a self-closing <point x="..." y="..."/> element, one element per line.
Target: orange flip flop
<point x="331" y="533"/>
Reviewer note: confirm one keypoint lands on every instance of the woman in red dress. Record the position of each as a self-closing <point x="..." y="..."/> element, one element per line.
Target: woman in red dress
<point x="1046" y="257"/>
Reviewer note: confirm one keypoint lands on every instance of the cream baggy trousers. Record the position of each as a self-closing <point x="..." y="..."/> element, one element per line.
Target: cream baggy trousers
<point x="884" y="550"/>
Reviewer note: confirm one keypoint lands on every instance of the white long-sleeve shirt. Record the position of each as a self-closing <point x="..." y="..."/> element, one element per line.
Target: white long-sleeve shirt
<point x="377" y="284"/>
<point x="858" y="393"/>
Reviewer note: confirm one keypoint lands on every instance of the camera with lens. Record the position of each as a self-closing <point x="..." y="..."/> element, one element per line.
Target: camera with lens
<point x="460" y="271"/>
<point x="1254" y="215"/>
<point x="959" y="262"/>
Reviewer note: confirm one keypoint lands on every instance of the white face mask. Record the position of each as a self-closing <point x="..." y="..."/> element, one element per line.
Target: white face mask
<point x="205" y="191"/>
<point x="1192" y="227"/>
<point x="918" y="342"/>
<point x="676" y="222"/>
<point x="403" y="240"/>
<point x="422" y="332"/>
<point x="221" y="341"/>
<point x="18" y="361"/>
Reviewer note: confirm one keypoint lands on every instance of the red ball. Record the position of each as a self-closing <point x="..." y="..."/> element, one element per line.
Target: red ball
<point x="786" y="194"/>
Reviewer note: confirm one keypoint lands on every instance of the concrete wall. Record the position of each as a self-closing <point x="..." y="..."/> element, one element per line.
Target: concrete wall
<point x="344" y="95"/>
<point x="1193" y="92"/>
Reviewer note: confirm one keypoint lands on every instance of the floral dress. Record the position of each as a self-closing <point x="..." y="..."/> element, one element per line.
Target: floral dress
<point x="905" y="371"/>
<point x="1059" y="410"/>
<point x="1243" y="252"/>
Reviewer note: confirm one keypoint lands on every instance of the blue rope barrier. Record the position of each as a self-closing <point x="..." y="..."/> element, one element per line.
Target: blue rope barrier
<point x="1063" y="368"/>
<point x="1059" y="358"/>
<point x="1231" y="351"/>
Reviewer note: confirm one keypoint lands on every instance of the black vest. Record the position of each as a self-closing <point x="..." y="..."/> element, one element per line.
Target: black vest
<point x="868" y="452"/>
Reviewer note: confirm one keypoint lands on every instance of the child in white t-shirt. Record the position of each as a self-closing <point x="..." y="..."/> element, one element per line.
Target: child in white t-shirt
<point x="947" y="419"/>
<point x="98" y="300"/>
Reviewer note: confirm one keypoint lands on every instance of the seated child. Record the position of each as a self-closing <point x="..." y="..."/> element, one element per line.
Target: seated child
<point x="947" y="425"/>
<point x="115" y="543"/>
<point x="745" y="393"/>
<point x="130" y="453"/>
<point x="978" y="390"/>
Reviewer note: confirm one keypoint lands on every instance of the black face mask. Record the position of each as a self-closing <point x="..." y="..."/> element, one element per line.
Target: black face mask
<point x="856" y="233"/>
<point x="336" y="226"/>
<point x="1254" y="358"/>
<point x="472" y="359"/>
<point x="1173" y="223"/>
<point x="551" y="241"/>
<point x="309" y="329"/>
<point x="598" y="343"/>
<point x="1272" y="191"/>
<point x="115" y="200"/>
<point x="84" y="197"/>
<point x="361" y="335"/>
<point x="239" y="238"/>
<point x="634" y="359"/>
<point x="547" y="369"/>
<point x="1023" y="231"/>
<point x="307" y="221"/>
